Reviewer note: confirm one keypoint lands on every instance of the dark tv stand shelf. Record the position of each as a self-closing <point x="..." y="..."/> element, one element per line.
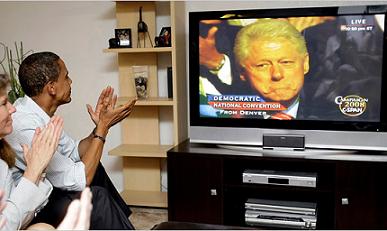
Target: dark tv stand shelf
<point x="205" y="185"/>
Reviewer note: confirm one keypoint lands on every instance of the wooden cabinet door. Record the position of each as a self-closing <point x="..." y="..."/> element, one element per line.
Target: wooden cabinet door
<point x="361" y="195"/>
<point x="195" y="188"/>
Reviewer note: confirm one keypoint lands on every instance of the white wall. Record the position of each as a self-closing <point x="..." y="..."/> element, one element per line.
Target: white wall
<point x="78" y="31"/>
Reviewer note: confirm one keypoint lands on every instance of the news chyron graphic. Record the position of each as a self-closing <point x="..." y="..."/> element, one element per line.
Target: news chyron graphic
<point x="357" y="24"/>
<point x="242" y="105"/>
<point x="352" y="105"/>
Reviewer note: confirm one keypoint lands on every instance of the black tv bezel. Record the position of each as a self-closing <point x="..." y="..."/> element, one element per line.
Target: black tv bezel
<point x="197" y="120"/>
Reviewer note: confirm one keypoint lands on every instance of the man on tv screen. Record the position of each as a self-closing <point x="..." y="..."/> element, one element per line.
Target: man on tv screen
<point x="272" y="58"/>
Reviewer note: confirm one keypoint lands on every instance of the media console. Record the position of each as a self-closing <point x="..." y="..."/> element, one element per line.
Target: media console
<point x="208" y="184"/>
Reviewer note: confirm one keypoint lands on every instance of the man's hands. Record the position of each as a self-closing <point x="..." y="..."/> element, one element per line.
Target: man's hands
<point x="106" y="113"/>
<point x="107" y="94"/>
<point x="110" y="115"/>
<point x="78" y="213"/>
<point x="43" y="146"/>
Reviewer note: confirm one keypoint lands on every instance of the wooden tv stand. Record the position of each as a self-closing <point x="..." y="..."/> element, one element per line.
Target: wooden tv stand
<point x="205" y="186"/>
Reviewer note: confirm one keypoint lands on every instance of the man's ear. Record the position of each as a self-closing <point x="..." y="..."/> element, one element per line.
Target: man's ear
<point x="242" y="77"/>
<point x="51" y="88"/>
<point x="306" y="64"/>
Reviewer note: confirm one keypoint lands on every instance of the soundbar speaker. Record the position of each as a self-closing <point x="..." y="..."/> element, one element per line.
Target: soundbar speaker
<point x="271" y="141"/>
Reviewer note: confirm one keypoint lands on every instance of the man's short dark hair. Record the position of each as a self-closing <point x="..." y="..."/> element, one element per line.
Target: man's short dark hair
<point x="37" y="70"/>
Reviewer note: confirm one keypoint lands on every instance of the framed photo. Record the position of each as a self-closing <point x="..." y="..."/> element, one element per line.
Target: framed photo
<point x="164" y="39"/>
<point x="124" y="37"/>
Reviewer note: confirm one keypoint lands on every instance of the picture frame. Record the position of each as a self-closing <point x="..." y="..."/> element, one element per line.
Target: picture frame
<point x="124" y="37"/>
<point x="164" y="38"/>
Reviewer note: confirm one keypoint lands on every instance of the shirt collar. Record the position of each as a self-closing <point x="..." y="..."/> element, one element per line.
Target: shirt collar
<point x="31" y="106"/>
<point x="292" y="109"/>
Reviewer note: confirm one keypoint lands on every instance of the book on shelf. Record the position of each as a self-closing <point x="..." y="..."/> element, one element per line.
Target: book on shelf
<point x="169" y="82"/>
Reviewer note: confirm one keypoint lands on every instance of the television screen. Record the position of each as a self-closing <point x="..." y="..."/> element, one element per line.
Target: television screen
<point x="311" y="65"/>
<point x="316" y="72"/>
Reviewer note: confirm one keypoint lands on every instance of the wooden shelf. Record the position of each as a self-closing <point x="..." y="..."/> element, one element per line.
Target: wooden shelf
<point x="151" y="101"/>
<point x="138" y="50"/>
<point x="142" y="154"/>
<point x="141" y="150"/>
<point x="145" y="198"/>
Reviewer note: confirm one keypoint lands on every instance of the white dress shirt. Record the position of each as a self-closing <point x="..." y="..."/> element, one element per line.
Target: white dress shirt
<point x="65" y="170"/>
<point x="22" y="200"/>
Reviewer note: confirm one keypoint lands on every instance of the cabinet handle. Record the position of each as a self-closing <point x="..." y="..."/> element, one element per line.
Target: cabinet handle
<point x="344" y="201"/>
<point x="213" y="192"/>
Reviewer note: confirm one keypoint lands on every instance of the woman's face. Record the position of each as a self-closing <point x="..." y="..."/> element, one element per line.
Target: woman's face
<point x="6" y="110"/>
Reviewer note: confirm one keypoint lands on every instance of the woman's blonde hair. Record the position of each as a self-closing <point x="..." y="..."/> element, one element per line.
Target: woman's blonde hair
<point x="6" y="152"/>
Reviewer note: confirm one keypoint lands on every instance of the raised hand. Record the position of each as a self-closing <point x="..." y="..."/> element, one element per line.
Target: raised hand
<point x="302" y="23"/>
<point x="43" y="146"/>
<point x="111" y="115"/>
<point x="209" y="55"/>
<point x="106" y="94"/>
<point x="78" y="213"/>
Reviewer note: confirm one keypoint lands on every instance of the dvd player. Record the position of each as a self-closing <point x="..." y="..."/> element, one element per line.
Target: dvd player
<point x="301" y="179"/>
<point x="280" y="214"/>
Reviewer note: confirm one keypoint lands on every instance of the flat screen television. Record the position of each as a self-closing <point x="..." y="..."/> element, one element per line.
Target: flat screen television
<point x="316" y="73"/>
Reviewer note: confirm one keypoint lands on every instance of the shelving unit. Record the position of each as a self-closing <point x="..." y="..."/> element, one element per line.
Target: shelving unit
<point x="139" y="50"/>
<point x="142" y="151"/>
<point x="151" y="101"/>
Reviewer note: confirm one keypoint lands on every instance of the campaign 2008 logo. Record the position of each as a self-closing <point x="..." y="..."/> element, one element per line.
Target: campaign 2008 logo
<point x="352" y="105"/>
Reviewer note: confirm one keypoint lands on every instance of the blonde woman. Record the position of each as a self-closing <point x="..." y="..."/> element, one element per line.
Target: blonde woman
<point x="32" y="191"/>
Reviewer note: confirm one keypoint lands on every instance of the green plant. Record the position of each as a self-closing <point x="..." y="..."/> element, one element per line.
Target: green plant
<point x="10" y="65"/>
